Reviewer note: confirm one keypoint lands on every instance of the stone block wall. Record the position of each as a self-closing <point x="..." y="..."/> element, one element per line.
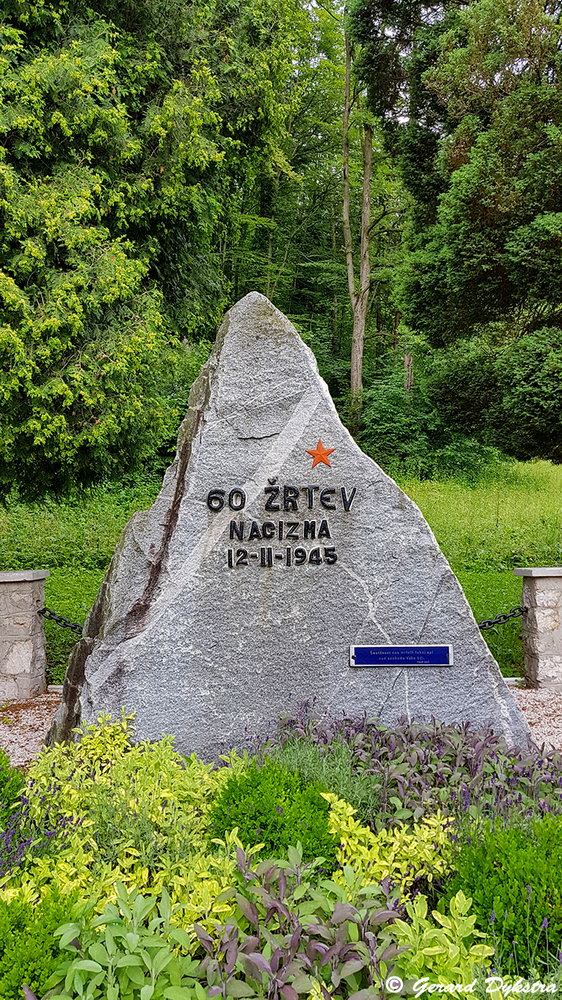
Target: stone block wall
<point x="542" y="625"/>
<point x="22" y="639"/>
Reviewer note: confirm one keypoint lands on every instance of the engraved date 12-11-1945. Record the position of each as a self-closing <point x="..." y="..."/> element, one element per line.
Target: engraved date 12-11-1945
<point x="286" y="557"/>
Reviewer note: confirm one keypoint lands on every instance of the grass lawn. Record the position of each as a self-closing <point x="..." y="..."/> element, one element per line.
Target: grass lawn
<point x="484" y="530"/>
<point x="490" y="593"/>
<point x="69" y="592"/>
<point x="515" y="520"/>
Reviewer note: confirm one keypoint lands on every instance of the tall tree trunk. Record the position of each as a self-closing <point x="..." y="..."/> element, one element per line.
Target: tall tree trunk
<point x="362" y="298"/>
<point x="335" y="299"/>
<point x="408" y="372"/>
<point x="274" y="189"/>
<point x="358" y="283"/>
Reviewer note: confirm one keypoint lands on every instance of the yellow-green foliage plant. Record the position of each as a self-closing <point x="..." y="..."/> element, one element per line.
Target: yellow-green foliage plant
<point x="444" y="948"/>
<point x="148" y="776"/>
<point x="402" y="853"/>
<point x="135" y="813"/>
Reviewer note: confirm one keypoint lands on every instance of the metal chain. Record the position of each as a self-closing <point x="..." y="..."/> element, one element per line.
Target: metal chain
<point x="488" y="623"/>
<point x="51" y="616"/>
<point x="500" y="619"/>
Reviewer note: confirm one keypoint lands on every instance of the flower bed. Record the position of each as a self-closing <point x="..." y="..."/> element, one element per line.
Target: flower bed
<point x="335" y="860"/>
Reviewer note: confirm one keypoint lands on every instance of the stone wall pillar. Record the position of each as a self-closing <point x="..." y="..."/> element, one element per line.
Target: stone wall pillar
<point x="22" y="639"/>
<point x="542" y="625"/>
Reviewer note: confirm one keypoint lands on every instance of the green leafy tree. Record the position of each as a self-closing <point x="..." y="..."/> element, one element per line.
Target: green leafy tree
<point x="292" y="244"/>
<point x="494" y="250"/>
<point x="470" y="102"/>
<point x="124" y="129"/>
<point x="506" y="393"/>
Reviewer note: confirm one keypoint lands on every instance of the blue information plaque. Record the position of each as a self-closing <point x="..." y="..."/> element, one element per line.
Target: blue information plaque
<point x="401" y="656"/>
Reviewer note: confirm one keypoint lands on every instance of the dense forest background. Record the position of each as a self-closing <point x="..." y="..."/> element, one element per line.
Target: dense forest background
<point x="389" y="174"/>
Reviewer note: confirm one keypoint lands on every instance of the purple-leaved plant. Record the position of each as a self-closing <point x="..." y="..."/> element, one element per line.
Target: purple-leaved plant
<point x="288" y="930"/>
<point x="413" y="769"/>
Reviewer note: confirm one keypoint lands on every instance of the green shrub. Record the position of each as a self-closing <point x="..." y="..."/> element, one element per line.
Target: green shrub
<point x="514" y="876"/>
<point x="408" y="856"/>
<point x="447" y="949"/>
<point x="132" y="950"/>
<point x="295" y="933"/>
<point x="276" y="807"/>
<point x="413" y="770"/>
<point x="289" y="934"/>
<point x="405" y="434"/>
<point x="527" y="417"/>
<point x="29" y="953"/>
<point x="333" y="767"/>
<point x="507" y="394"/>
<point x="137" y="815"/>
<point x="138" y="797"/>
<point x="105" y="809"/>
<point x="11" y="783"/>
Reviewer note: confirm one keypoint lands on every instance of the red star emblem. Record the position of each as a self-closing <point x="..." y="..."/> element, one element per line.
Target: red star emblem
<point x="320" y="454"/>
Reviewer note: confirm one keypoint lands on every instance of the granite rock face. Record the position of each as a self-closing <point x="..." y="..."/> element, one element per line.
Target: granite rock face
<point x="275" y="544"/>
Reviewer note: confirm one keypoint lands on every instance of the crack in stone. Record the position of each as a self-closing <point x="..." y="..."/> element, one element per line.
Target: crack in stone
<point x="432" y="604"/>
<point x="256" y="437"/>
<point x="407" y="696"/>
<point x="394" y="683"/>
<point x="370" y="603"/>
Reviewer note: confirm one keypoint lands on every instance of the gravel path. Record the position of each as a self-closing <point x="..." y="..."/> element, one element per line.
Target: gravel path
<point x="543" y="710"/>
<point x="24" y="725"/>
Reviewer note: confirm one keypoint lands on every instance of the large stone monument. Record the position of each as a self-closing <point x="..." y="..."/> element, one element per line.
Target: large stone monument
<point x="274" y="550"/>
